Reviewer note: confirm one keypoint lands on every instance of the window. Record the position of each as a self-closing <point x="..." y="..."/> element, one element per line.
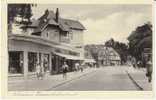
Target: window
<point x="32" y="60"/>
<point x="46" y="62"/>
<point x="47" y="34"/>
<point x="15" y="62"/>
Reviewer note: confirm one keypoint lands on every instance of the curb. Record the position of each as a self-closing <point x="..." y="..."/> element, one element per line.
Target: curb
<point x="136" y="84"/>
<point x="64" y="82"/>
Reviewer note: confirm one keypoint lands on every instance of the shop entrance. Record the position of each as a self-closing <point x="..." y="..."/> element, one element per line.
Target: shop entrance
<point x="57" y="63"/>
<point x="15" y="62"/>
<point x="32" y="61"/>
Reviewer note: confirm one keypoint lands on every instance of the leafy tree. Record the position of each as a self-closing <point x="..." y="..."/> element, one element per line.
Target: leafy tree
<point x="121" y="48"/>
<point x="23" y="10"/>
<point x="139" y="39"/>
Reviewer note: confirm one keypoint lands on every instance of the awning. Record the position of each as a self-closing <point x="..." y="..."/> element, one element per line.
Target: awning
<point x="69" y="56"/>
<point x="66" y="47"/>
<point x="90" y="60"/>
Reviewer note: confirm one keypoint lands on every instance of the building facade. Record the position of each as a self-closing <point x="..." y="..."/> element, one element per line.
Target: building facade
<point x="50" y="40"/>
<point x="107" y="56"/>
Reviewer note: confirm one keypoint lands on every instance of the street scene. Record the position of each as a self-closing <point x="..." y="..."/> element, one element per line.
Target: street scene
<point x="110" y="78"/>
<point x="54" y="47"/>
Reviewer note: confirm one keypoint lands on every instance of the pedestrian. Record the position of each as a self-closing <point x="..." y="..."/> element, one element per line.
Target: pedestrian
<point x="139" y="64"/>
<point x="38" y="71"/>
<point x="149" y="69"/>
<point x="133" y="62"/>
<point x="76" y="66"/>
<point x="65" y="70"/>
<point x="82" y="66"/>
<point x="42" y="72"/>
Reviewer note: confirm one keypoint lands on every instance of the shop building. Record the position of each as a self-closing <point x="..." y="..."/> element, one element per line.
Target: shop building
<point x="50" y="40"/>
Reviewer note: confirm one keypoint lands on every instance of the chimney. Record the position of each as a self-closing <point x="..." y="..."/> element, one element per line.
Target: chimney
<point x="57" y="15"/>
<point x="46" y="12"/>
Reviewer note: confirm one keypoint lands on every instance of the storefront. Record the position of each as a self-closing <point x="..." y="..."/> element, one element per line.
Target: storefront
<point x="32" y="61"/>
<point x="24" y="54"/>
<point x="58" y="59"/>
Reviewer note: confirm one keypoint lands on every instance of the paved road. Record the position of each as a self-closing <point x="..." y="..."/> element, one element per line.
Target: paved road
<point x="106" y="78"/>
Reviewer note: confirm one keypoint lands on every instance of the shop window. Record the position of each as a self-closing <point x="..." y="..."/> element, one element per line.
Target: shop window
<point x="54" y="62"/>
<point x="15" y="62"/>
<point x="32" y="61"/>
<point x="46" y="62"/>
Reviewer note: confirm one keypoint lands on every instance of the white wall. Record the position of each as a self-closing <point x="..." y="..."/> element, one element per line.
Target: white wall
<point x="77" y="41"/>
<point x="53" y="33"/>
<point x="77" y="37"/>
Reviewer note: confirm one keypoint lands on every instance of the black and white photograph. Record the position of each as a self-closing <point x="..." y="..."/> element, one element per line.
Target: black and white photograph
<point x="79" y="47"/>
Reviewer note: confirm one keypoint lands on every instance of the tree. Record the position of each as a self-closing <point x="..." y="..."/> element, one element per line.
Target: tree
<point x="23" y="10"/>
<point x="110" y="43"/>
<point x="139" y="39"/>
<point x="28" y="12"/>
<point x="121" y="48"/>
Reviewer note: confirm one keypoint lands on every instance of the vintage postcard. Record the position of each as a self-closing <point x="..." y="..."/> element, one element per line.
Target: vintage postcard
<point x="77" y="48"/>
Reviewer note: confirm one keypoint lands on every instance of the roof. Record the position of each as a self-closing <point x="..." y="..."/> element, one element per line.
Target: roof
<point x="52" y="22"/>
<point x="106" y="52"/>
<point x="73" y="24"/>
<point x="49" y="18"/>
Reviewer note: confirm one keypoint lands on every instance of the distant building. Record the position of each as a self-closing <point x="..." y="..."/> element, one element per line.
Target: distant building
<point x="88" y="57"/>
<point x="108" y="56"/>
<point x="49" y="40"/>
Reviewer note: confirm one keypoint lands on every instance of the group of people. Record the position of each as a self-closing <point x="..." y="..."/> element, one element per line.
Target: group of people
<point x="40" y="70"/>
<point x="65" y="69"/>
<point x="79" y="67"/>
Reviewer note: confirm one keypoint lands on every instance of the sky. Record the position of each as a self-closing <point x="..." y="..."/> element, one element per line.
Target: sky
<point x="102" y="21"/>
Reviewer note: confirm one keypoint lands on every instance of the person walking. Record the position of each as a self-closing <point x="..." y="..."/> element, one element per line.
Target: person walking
<point x="76" y="67"/>
<point x="81" y="67"/>
<point x="65" y="70"/>
<point x="149" y="69"/>
<point x="42" y="72"/>
<point x="38" y="70"/>
<point x="133" y="62"/>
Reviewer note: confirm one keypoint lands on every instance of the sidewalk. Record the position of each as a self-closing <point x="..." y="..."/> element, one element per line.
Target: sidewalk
<point x="48" y="83"/>
<point x="138" y="76"/>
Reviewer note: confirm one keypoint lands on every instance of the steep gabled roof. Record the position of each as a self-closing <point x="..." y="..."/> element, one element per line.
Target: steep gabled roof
<point x="64" y="25"/>
<point x="73" y="24"/>
<point x="49" y="18"/>
<point x="52" y="22"/>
